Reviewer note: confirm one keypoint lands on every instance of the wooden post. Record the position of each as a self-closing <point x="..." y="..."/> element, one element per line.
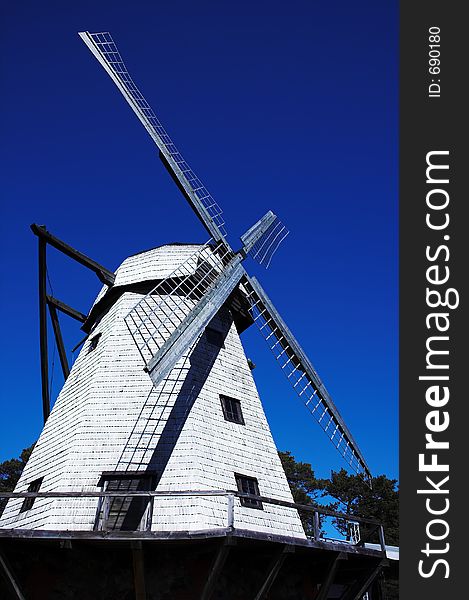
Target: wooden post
<point x="230" y="500"/>
<point x="139" y="571"/>
<point x="43" y="330"/>
<point x="316" y="526"/>
<point x="381" y="538"/>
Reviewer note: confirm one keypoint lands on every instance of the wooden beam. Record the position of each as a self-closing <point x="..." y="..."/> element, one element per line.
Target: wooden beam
<point x="18" y="594"/>
<point x="216" y="568"/>
<point x="66" y="309"/>
<point x="59" y="341"/>
<point x="357" y="591"/>
<point x="330" y="576"/>
<point x="164" y="536"/>
<point x="82" y="341"/>
<point x="43" y="330"/>
<point x="139" y="570"/>
<point x="273" y="571"/>
<point x="104" y="275"/>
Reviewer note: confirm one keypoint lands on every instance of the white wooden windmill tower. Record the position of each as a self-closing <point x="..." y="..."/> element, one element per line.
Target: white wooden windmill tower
<point x="159" y="430"/>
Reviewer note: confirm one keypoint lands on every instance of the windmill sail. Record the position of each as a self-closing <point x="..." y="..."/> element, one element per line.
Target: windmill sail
<point x="170" y="318"/>
<point x="302" y="375"/>
<point x="263" y="239"/>
<point x="105" y="50"/>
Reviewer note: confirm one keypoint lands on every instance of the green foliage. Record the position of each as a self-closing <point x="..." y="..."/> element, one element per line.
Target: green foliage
<point x="10" y="471"/>
<point x="304" y="486"/>
<point x="345" y="489"/>
<point x="347" y="493"/>
<point x="352" y="495"/>
<point x="381" y="502"/>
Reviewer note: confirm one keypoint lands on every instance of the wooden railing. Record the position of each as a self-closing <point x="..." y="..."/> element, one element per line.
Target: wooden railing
<point x="375" y="527"/>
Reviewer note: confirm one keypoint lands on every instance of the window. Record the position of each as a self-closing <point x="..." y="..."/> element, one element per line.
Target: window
<point x="232" y="410"/>
<point x="215" y="337"/>
<point x="32" y="487"/>
<point x="125" y="513"/>
<point x="94" y="342"/>
<point x="248" y="485"/>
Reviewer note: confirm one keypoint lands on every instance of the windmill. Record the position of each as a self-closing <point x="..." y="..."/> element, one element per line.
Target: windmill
<point x="159" y="419"/>
<point x="161" y="339"/>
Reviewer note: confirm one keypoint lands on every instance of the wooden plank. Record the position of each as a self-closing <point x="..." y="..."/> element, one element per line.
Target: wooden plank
<point x="273" y="571"/>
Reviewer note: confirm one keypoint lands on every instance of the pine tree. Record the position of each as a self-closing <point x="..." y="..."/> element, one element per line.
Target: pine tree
<point x="10" y="471"/>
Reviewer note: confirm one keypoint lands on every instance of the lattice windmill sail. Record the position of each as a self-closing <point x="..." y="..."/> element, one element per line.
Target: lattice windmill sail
<point x="165" y="338"/>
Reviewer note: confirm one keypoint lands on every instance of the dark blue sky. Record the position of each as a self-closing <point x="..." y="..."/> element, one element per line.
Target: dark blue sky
<point x="283" y="106"/>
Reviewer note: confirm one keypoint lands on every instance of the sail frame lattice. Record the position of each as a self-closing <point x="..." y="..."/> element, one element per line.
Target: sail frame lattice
<point x="162" y="310"/>
<point x="302" y="377"/>
<point x="105" y="49"/>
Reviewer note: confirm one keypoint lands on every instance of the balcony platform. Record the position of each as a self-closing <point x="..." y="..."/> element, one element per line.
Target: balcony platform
<point x="223" y="563"/>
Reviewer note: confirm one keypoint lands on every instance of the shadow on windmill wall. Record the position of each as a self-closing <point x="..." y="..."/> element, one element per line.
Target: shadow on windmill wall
<point x="200" y="361"/>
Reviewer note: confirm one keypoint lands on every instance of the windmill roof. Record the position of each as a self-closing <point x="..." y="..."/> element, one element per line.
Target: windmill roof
<point x="156" y="263"/>
<point x="163" y="246"/>
<point x="150" y="265"/>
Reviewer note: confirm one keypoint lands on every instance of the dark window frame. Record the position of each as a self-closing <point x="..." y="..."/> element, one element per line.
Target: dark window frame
<point x="252" y="485"/>
<point x="34" y="486"/>
<point x="123" y="506"/>
<point x="232" y="410"/>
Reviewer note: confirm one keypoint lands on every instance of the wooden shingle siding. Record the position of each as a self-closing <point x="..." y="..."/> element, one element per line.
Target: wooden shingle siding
<point x="108" y="417"/>
<point x="154" y="264"/>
